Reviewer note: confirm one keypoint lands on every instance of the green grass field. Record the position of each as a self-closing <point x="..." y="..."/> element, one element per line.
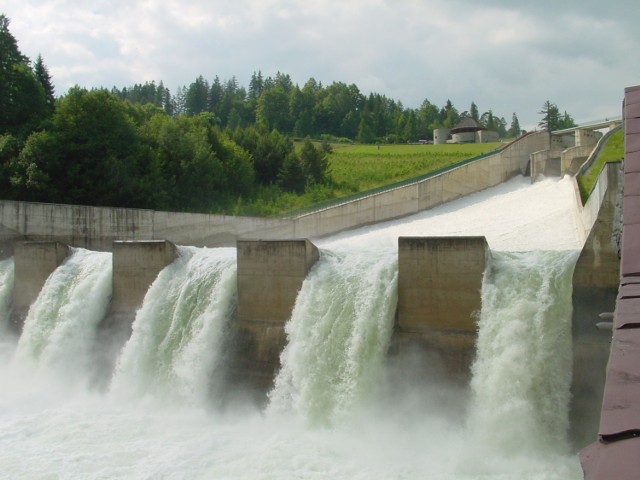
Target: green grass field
<point x="355" y="168"/>
<point x="358" y="168"/>
<point x="613" y="151"/>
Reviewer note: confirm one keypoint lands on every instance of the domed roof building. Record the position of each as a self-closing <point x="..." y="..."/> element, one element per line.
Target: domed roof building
<point x="467" y="130"/>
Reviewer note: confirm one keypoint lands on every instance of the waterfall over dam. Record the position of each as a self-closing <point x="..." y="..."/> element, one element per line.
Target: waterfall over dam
<point x="341" y="406"/>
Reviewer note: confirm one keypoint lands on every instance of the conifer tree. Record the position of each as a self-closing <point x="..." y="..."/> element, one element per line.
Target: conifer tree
<point x="22" y="102"/>
<point x="473" y="111"/>
<point x="514" y="130"/>
<point x="43" y="77"/>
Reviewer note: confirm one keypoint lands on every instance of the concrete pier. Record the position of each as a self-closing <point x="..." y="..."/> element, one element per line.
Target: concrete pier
<point x="270" y="274"/>
<point x="136" y="264"/>
<point x="439" y="283"/>
<point x="34" y="262"/>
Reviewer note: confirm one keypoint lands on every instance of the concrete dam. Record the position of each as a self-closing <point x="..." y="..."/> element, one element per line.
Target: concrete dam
<point x="431" y="341"/>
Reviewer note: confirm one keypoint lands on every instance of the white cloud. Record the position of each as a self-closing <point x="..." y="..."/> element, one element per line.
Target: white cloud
<point x="509" y="57"/>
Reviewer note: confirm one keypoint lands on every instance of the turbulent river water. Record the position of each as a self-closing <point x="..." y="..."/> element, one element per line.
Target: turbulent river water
<point x="339" y="408"/>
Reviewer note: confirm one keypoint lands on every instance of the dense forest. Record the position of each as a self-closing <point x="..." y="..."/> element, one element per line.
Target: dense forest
<point x="208" y="147"/>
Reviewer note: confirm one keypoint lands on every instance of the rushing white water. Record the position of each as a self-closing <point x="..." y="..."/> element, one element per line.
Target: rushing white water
<point x="522" y="372"/>
<point x="7" y="277"/>
<point x="59" y="331"/>
<point x="339" y="410"/>
<point x="338" y="335"/>
<point x="514" y="216"/>
<point x="178" y="334"/>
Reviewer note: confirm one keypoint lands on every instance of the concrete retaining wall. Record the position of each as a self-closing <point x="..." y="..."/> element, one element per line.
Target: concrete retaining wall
<point x="538" y="162"/>
<point x="448" y="186"/>
<point x="572" y="158"/>
<point x="520" y="151"/>
<point x="586" y="137"/>
<point x="96" y="228"/>
<point x="595" y="287"/>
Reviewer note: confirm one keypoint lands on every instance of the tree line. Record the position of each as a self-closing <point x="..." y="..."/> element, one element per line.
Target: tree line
<point x="337" y="111"/>
<point x="92" y="147"/>
<point x="210" y="147"/>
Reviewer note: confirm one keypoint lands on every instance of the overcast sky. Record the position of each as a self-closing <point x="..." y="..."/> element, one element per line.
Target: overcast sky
<point x="508" y="56"/>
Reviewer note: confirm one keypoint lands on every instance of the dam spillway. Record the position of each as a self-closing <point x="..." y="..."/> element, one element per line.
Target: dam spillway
<point x="400" y="419"/>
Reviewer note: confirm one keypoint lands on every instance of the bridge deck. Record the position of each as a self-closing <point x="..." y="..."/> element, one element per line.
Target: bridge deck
<point x="593" y="125"/>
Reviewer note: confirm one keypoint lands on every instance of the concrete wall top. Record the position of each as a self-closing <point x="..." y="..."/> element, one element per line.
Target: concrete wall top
<point x="96" y="228"/>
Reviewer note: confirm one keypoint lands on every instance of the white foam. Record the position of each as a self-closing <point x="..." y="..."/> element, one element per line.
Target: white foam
<point x="398" y="420"/>
<point x="514" y="216"/>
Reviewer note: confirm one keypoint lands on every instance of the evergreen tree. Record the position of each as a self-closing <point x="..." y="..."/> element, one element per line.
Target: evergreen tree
<point x="196" y="100"/>
<point x="215" y="96"/>
<point x="179" y="101"/>
<point x="566" y="121"/>
<point x="550" y="117"/>
<point x="256" y="85"/>
<point x="315" y="162"/>
<point x="427" y="118"/>
<point x="22" y="98"/>
<point x="410" y="130"/>
<point x="9" y="52"/>
<point x="514" y="130"/>
<point x="473" y="112"/>
<point x="43" y="77"/>
<point x="489" y="121"/>
<point x="365" y="132"/>
<point x="291" y="176"/>
<point x="449" y="115"/>
<point x="273" y="110"/>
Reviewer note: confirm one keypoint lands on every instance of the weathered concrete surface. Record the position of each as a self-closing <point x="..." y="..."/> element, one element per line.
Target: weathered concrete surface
<point x="595" y="287"/>
<point x="96" y="228"/>
<point x="270" y="274"/>
<point x="439" y="284"/>
<point x="34" y="262"/>
<point x="519" y="151"/>
<point x="545" y="162"/>
<point x="571" y="159"/>
<point x="202" y="230"/>
<point x="587" y="137"/>
<point x="135" y="266"/>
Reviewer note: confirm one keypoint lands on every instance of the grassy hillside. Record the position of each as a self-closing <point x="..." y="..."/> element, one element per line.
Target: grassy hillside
<point x="612" y="151"/>
<point x="363" y="167"/>
<point x="358" y="168"/>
